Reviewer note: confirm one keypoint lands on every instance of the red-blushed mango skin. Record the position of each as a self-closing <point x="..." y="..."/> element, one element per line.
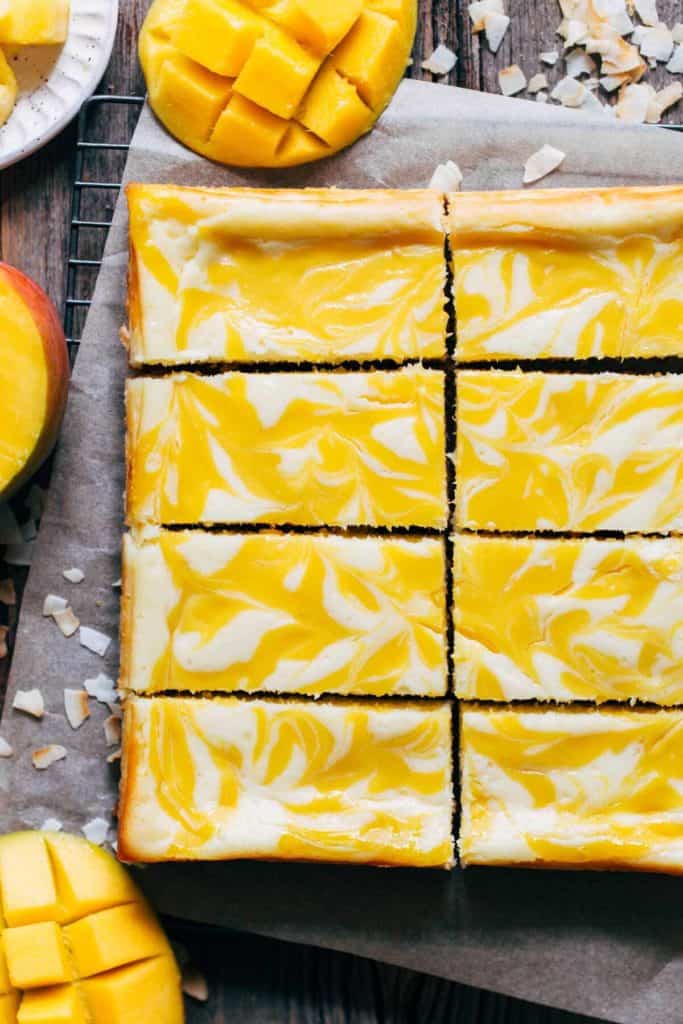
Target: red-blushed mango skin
<point x="56" y="354"/>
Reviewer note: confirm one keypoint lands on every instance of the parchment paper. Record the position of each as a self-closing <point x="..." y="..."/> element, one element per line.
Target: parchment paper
<point x="608" y="945"/>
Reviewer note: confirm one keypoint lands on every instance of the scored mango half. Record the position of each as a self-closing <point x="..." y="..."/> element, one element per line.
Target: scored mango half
<point x="34" y="22"/>
<point x="78" y="943"/>
<point x="273" y="83"/>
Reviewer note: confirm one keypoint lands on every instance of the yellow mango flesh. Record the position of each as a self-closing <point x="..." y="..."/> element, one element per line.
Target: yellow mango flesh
<point x="8" y="89"/>
<point x="34" y="22"/>
<point x="289" y="81"/>
<point x="78" y="943"/>
<point x="23" y="384"/>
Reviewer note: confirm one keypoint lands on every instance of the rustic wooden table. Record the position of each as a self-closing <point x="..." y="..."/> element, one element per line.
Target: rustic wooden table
<point x="253" y="979"/>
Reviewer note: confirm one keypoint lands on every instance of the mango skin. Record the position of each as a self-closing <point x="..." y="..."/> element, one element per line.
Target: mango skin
<point x="290" y="82"/>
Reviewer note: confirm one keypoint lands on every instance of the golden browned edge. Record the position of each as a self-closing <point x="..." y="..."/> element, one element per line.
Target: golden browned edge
<point x="128" y="582"/>
<point x="130" y="758"/>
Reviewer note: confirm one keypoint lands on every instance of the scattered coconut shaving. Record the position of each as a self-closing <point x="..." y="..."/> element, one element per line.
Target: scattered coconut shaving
<point x="677" y="32"/>
<point x="116" y="585"/>
<point x="511" y="80"/>
<point x="5" y="749"/>
<point x="112" y="731"/>
<point x="53" y="603"/>
<point x="495" y="27"/>
<point x="67" y="621"/>
<point x="479" y="10"/>
<point x="74" y="575"/>
<point x="633" y="104"/>
<point x="96" y="831"/>
<point x="541" y="97"/>
<point x="537" y="82"/>
<point x="578" y="63"/>
<point x="51" y="825"/>
<point x="47" y="756"/>
<point x="94" y="641"/>
<point x="549" y="57"/>
<point x="658" y="43"/>
<point x="646" y="11"/>
<point x="570" y="92"/>
<point x="675" y="65"/>
<point x="30" y="702"/>
<point x="541" y="163"/>
<point x="114" y="757"/>
<point x="662" y="100"/>
<point x="447" y="177"/>
<point x="441" y="61"/>
<point x="76" y="707"/>
<point x="195" y="984"/>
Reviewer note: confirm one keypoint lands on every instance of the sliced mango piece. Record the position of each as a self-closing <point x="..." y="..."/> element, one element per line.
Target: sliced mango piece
<point x="36" y="955"/>
<point x="250" y="131"/>
<point x="34" y="22"/>
<point x="88" y="878"/>
<point x="333" y="110"/>
<point x="373" y="44"/>
<point x="59" y="1005"/>
<point x="115" y="937"/>
<point x="277" y="74"/>
<point x="146" y="992"/>
<point x="9" y="1004"/>
<point x="320" y="24"/>
<point x="197" y="97"/>
<point x="27" y="886"/>
<point x="219" y="34"/>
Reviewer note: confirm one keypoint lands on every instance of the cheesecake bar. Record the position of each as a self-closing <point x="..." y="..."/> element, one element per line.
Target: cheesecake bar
<point x="224" y="778"/>
<point x="564" y="620"/>
<point x="307" y="275"/>
<point x="572" y="788"/>
<point x="569" y="452"/>
<point x="326" y="449"/>
<point x="568" y="274"/>
<point x="284" y="613"/>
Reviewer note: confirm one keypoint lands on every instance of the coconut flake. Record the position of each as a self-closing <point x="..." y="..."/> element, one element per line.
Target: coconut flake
<point x="633" y="104"/>
<point x="19" y="554"/>
<point x="116" y="585"/>
<point x="114" y="756"/>
<point x="441" y="61"/>
<point x="101" y="688"/>
<point x="67" y="621"/>
<point x="610" y="83"/>
<point x="447" y="177"/>
<point x="76" y="707"/>
<point x="675" y="65"/>
<point x="541" y="97"/>
<point x="480" y="9"/>
<point x="195" y="984"/>
<point x="30" y="702"/>
<point x="51" y="825"/>
<point x="74" y="575"/>
<point x="112" y="730"/>
<point x="574" y="32"/>
<point x="579" y="63"/>
<point x="658" y="43"/>
<point x="647" y="11"/>
<point x="537" y="82"/>
<point x="53" y="603"/>
<point x="549" y="57"/>
<point x="47" y="756"/>
<point x="495" y="27"/>
<point x="96" y="831"/>
<point x="5" y="749"/>
<point x="512" y="80"/>
<point x="569" y="92"/>
<point x="677" y="32"/>
<point x="541" y="163"/>
<point x="662" y="100"/>
<point x="94" y="641"/>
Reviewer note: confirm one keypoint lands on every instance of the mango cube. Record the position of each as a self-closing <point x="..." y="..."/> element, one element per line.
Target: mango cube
<point x="372" y="44"/>
<point x="219" y="34"/>
<point x="277" y="74"/>
<point x="114" y="937"/>
<point x="250" y="130"/>
<point x="36" y="955"/>
<point x="118" y="997"/>
<point x="88" y="879"/>
<point x="333" y="110"/>
<point x="321" y="24"/>
<point x="26" y="882"/>
<point x="34" y="22"/>
<point x="59" y="1005"/>
<point x="196" y="95"/>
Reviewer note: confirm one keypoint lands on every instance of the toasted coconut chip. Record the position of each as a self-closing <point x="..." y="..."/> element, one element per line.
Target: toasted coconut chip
<point x="441" y="61"/>
<point x="112" y="731"/>
<point x="537" y="82"/>
<point x="569" y="92"/>
<point x="51" y="825"/>
<point x="5" y="749"/>
<point x="480" y="9"/>
<point x="36" y="499"/>
<point x="677" y="32"/>
<point x="8" y="594"/>
<point x="610" y="83"/>
<point x="512" y="80"/>
<point x="96" y="831"/>
<point x="541" y="97"/>
<point x="447" y="177"/>
<point x="9" y="527"/>
<point x="195" y="984"/>
<point x="101" y="688"/>
<point x="76" y="707"/>
<point x="74" y="575"/>
<point x="19" y="554"/>
<point x="662" y="100"/>
<point x="4" y="631"/>
<point x="618" y="56"/>
<point x="549" y="57"/>
<point x="67" y="621"/>
<point x="633" y="104"/>
<point x="647" y="11"/>
<point x="675" y="65"/>
<point x="53" y="603"/>
<point x="114" y="756"/>
<point x="574" y="33"/>
<point x="579" y="63"/>
<point x="116" y="585"/>
<point x="47" y="756"/>
<point x="495" y="27"/>
<point x="592" y="104"/>
<point x="30" y="702"/>
<point x="657" y="43"/>
<point x="541" y="163"/>
<point x="94" y="641"/>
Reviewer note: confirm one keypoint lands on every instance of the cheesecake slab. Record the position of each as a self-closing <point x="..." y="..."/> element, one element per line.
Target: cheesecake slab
<point x="326" y="449"/>
<point x="563" y="620"/>
<point x="569" y="452"/>
<point x="568" y="274"/>
<point x="572" y="788"/>
<point x="224" y="778"/>
<point x="307" y="275"/>
<point x="284" y="613"/>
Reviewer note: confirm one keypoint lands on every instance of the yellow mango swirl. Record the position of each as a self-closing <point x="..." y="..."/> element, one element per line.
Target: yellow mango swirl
<point x="600" y="788"/>
<point x="569" y="619"/>
<point x="227" y="778"/>
<point x="312" y="449"/>
<point x="284" y="614"/>
<point x="568" y="274"/>
<point x="569" y="452"/>
<point x="319" y="275"/>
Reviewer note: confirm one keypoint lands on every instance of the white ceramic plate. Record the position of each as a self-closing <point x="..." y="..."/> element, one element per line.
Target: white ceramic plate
<point x="54" y="81"/>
